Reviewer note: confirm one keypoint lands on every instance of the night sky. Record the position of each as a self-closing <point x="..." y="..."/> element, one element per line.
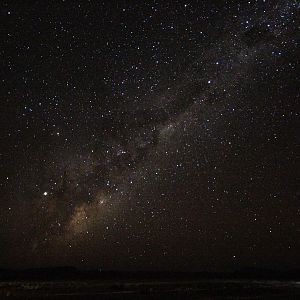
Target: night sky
<point x="150" y="135"/>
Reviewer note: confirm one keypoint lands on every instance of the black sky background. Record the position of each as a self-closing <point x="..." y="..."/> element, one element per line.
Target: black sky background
<point x="150" y="136"/>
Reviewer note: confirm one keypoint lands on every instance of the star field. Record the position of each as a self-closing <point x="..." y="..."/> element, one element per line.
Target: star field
<point x="150" y="136"/>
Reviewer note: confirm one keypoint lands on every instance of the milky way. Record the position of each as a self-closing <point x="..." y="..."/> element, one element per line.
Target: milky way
<point x="151" y="136"/>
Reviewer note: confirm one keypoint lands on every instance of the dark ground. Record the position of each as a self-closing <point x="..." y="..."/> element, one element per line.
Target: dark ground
<point x="151" y="289"/>
<point x="72" y="283"/>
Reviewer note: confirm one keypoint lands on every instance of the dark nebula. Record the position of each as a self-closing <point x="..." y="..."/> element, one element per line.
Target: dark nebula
<point x="150" y="135"/>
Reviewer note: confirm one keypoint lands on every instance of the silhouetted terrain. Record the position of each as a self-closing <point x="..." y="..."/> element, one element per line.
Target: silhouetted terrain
<point x="71" y="283"/>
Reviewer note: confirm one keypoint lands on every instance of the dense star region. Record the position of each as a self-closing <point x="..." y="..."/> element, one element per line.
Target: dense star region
<point x="150" y="136"/>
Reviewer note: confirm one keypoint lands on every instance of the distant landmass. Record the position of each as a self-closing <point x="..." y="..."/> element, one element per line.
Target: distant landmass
<point x="72" y="283"/>
<point x="68" y="272"/>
